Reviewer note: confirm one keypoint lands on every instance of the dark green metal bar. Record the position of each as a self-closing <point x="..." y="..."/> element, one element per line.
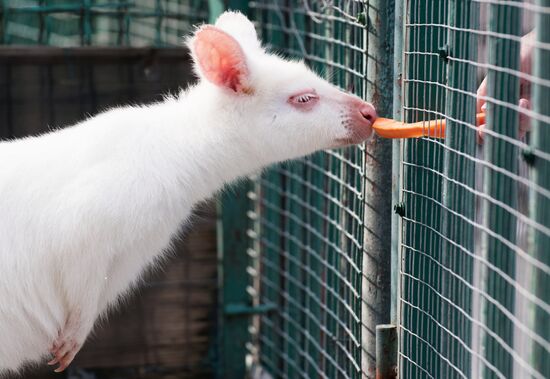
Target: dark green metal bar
<point x="233" y="243"/>
<point x="64" y="8"/>
<point x="216" y="7"/>
<point x="41" y="34"/>
<point x="244" y="309"/>
<point x="3" y="17"/>
<point x="158" y="22"/>
<point x="386" y="351"/>
<point x="86" y="24"/>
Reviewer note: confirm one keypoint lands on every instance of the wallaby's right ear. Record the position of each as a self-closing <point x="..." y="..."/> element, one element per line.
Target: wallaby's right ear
<point x="240" y="27"/>
<point x="220" y="59"/>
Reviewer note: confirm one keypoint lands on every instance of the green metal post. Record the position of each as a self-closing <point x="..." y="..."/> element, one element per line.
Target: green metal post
<point x="215" y="8"/>
<point x="3" y="22"/>
<point x="396" y="226"/>
<point x="397" y="172"/>
<point x="86" y="23"/>
<point x="235" y="302"/>
<point x="376" y="292"/>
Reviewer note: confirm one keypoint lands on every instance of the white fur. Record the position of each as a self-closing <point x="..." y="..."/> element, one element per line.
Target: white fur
<point x="84" y="210"/>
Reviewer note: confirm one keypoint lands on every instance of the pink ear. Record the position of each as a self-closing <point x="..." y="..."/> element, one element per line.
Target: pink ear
<point x="221" y="59"/>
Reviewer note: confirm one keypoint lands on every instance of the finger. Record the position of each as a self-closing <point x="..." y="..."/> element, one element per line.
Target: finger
<point x="480" y="129"/>
<point x="481" y="91"/>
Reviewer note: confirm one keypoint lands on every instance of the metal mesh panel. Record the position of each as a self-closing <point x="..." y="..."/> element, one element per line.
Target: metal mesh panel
<point x="475" y="241"/>
<point x="474" y="274"/>
<point x="99" y="22"/>
<point x="309" y="221"/>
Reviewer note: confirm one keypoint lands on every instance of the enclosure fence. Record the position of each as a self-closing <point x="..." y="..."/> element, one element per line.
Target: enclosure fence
<point x="70" y="23"/>
<point x="312" y="219"/>
<point x="470" y="249"/>
<point x="474" y="274"/>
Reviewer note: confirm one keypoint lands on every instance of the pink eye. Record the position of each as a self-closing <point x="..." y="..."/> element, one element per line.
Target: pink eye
<point x="304" y="99"/>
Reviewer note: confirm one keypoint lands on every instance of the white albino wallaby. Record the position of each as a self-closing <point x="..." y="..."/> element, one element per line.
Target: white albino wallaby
<point x="84" y="210"/>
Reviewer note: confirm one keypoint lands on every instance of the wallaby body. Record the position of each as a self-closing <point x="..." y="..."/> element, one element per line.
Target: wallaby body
<point x="84" y="210"/>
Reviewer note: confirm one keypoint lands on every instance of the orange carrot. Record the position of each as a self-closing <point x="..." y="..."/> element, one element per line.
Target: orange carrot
<point x="389" y="128"/>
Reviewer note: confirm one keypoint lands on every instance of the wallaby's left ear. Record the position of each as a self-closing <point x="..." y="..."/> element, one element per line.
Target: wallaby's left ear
<point x="220" y="59"/>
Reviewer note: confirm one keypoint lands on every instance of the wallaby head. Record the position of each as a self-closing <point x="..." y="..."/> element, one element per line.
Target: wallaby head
<point x="276" y="103"/>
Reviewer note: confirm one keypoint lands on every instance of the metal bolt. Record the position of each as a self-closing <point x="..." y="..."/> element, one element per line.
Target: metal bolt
<point x="399" y="209"/>
<point x="444" y="52"/>
<point x="529" y="155"/>
<point x="362" y="18"/>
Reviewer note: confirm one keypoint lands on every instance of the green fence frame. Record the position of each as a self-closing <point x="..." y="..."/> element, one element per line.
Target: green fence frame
<point x="69" y="23"/>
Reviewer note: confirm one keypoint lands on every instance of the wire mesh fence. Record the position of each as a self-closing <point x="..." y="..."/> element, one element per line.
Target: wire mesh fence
<point x="312" y="218"/>
<point x="99" y="22"/>
<point x="474" y="235"/>
<point x="475" y="269"/>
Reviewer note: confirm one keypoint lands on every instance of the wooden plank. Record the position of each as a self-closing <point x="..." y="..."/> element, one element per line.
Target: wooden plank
<point x="103" y="54"/>
<point x="53" y="87"/>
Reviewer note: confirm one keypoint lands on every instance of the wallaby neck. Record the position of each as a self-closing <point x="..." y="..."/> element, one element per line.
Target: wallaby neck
<point x="211" y="150"/>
